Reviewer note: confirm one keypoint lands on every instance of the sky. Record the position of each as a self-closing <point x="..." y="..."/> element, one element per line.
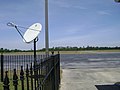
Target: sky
<point x="71" y="22"/>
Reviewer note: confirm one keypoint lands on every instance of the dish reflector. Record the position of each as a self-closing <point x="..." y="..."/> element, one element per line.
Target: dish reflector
<point x="32" y="32"/>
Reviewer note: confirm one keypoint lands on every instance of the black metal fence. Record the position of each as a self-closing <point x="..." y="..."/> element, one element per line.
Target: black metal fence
<point x="10" y="62"/>
<point x="22" y="74"/>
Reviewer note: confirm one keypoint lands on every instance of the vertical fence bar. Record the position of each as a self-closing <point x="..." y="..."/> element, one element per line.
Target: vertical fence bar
<point x="15" y="80"/>
<point x="24" y="62"/>
<point x="2" y="68"/>
<point x="59" y="67"/>
<point x="27" y="75"/>
<point x="7" y="63"/>
<point x="35" y="73"/>
<point x="17" y="61"/>
<point x="22" y="77"/>
<point x="6" y="82"/>
<point x="31" y="73"/>
<point x="41" y="72"/>
<point x="10" y="65"/>
<point x="53" y="72"/>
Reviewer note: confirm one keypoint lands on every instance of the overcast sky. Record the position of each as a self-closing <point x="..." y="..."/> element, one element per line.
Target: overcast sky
<point x="71" y="22"/>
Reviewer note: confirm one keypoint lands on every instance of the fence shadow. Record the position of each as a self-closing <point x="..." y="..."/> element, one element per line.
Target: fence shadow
<point x="108" y="87"/>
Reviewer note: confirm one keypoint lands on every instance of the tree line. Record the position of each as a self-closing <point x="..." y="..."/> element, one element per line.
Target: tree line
<point x="67" y="48"/>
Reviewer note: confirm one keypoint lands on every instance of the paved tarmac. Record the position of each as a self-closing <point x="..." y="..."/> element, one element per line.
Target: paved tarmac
<point x="90" y="72"/>
<point x="90" y="79"/>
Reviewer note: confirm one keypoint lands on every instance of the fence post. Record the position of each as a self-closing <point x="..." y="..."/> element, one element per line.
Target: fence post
<point x="2" y="70"/>
<point x="6" y="82"/>
<point x="59" y="67"/>
<point x="15" y="79"/>
<point x="53" y="72"/>
<point x="22" y="77"/>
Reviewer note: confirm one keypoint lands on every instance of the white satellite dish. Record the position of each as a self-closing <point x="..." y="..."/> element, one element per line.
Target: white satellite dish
<point x="30" y="35"/>
<point x="32" y="32"/>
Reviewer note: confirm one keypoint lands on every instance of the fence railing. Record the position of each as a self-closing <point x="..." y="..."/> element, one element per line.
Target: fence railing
<point x="9" y="62"/>
<point x="45" y="75"/>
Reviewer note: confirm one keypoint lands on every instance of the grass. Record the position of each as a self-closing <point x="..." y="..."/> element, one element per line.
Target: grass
<point x="10" y="85"/>
<point x="63" y="52"/>
<point x="61" y="72"/>
<point x="87" y="51"/>
<point x="19" y="86"/>
<point x="10" y="74"/>
<point x="24" y="53"/>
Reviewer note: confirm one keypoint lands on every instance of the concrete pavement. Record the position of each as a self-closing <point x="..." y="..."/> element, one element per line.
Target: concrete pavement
<point x="86" y="79"/>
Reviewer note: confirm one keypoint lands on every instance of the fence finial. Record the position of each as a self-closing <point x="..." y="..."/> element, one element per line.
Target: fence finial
<point x="27" y="75"/>
<point x="21" y="73"/>
<point x="52" y="52"/>
<point x="58" y="52"/>
<point x="15" y="79"/>
<point x="6" y="82"/>
<point x="22" y="77"/>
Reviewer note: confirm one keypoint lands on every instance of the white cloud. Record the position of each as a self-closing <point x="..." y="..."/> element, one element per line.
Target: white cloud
<point x="73" y="29"/>
<point x="101" y="37"/>
<point x="80" y="7"/>
<point x="103" y="12"/>
<point x="67" y="4"/>
<point x="60" y="3"/>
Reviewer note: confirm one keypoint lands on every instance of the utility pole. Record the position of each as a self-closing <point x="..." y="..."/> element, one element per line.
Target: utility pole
<point x="46" y="28"/>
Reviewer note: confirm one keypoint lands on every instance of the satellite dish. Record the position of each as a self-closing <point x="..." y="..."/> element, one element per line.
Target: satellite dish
<point x="30" y="35"/>
<point x="32" y="32"/>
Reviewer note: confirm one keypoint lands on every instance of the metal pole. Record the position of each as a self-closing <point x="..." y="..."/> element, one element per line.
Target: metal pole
<point x="35" y="52"/>
<point x="2" y="68"/>
<point x="35" y="62"/>
<point x="46" y="28"/>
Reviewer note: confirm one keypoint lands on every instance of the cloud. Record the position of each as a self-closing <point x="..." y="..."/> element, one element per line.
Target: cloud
<point x="80" y="7"/>
<point x="67" y="4"/>
<point x="101" y="37"/>
<point x="74" y="29"/>
<point x="60" y="3"/>
<point x="103" y="12"/>
<point x="1" y="16"/>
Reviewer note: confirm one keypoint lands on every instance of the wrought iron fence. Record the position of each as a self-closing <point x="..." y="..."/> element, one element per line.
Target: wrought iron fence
<point x="45" y="75"/>
<point x="9" y="62"/>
